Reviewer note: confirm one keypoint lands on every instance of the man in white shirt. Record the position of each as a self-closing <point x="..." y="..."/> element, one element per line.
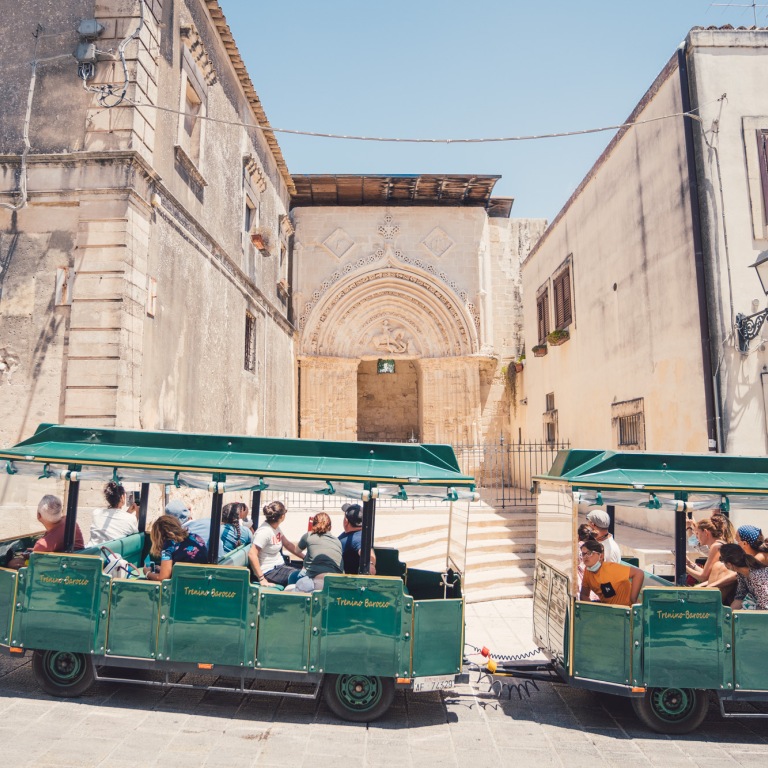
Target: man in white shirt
<point x="600" y="522"/>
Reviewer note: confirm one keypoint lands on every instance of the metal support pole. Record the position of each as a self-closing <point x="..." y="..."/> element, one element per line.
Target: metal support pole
<point x="611" y="510"/>
<point x="681" y="575"/>
<point x="366" y="545"/>
<point x="144" y="503"/>
<point x="255" y="508"/>
<point x="70" y="524"/>
<point x="217" y="502"/>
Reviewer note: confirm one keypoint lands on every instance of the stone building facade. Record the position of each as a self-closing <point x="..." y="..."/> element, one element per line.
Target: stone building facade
<point x="407" y="310"/>
<point x="131" y="291"/>
<point x="647" y="266"/>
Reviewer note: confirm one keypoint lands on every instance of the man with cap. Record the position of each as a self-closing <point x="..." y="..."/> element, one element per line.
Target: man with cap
<point x="352" y="539"/>
<point x="180" y="510"/>
<point x="600" y="521"/>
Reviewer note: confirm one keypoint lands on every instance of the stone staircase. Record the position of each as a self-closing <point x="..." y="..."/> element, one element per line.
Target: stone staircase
<point x="500" y="549"/>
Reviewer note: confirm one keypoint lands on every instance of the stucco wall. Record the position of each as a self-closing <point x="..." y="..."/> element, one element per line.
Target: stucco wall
<point x="635" y="316"/>
<point x="734" y="63"/>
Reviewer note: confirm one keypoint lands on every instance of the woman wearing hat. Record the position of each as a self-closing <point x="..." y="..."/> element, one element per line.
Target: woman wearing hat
<point x="751" y="540"/>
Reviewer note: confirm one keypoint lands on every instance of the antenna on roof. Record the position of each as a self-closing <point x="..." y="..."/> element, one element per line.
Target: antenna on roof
<point x="753" y="5"/>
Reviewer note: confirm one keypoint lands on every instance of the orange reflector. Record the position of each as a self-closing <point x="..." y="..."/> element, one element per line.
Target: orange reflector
<point x="402" y="680"/>
<point x="638" y="690"/>
<point x="205" y="666"/>
<point x="16" y="650"/>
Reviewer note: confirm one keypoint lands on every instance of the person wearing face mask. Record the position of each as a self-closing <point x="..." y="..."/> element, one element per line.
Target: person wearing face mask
<point x="613" y="583"/>
<point x="600" y="521"/>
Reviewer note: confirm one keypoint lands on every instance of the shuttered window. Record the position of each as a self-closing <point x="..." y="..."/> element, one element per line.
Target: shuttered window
<point x="762" y="147"/>
<point x="542" y="315"/>
<point x="561" y="289"/>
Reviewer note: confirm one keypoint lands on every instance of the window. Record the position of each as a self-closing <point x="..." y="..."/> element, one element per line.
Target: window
<point x="629" y="429"/>
<point x="628" y="419"/>
<point x="551" y="431"/>
<point x="250" y="343"/>
<point x="762" y="150"/>
<point x="193" y="107"/>
<point x="542" y="315"/>
<point x="550" y="401"/>
<point x="561" y="292"/>
<point x="251" y="218"/>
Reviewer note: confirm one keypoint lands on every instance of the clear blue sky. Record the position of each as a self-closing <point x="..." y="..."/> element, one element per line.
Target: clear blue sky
<point x="443" y="68"/>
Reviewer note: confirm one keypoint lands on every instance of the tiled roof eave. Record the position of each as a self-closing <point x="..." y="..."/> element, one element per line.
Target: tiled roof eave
<point x="227" y="39"/>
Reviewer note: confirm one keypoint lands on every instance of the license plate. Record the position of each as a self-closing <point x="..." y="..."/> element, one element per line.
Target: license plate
<point x="435" y="683"/>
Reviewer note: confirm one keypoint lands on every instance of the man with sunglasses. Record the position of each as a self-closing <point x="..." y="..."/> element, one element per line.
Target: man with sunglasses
<point x="613" y="583"/>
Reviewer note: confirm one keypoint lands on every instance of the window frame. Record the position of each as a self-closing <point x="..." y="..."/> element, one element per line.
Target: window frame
<point x="249" y="351"/>
<point x="542" y="314"/>
<point x="191" y="79"/>
<point x="562" y="296"/>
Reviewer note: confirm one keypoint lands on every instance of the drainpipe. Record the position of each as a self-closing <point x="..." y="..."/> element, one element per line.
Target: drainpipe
<point x="704" y="296"/>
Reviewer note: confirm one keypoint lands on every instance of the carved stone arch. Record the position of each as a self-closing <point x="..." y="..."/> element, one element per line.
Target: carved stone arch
<point x="390" y="311"/>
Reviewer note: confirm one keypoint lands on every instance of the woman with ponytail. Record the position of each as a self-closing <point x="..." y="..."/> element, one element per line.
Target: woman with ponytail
<point x="233" y="532"/>
<point x="113" y="521"/>
<point x="324" y="554"/>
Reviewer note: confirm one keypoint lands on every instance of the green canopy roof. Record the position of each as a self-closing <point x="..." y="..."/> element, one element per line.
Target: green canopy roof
<point x="238" y="455"/>
<point x="634" y="470"/>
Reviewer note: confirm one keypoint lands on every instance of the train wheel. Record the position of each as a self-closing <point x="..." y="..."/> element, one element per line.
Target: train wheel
<point x="61" y="673"/>
<point x="672" y="710"/>
<point x="358" y="697"/>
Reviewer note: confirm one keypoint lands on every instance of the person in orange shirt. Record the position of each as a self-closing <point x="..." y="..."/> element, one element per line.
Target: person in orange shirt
<point x="613" y="583"/>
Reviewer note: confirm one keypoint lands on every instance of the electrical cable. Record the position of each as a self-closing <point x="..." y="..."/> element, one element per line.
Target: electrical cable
<point x="87" y="71"/>
<point x="315" y="134"/>
<point x="501" y="657"/>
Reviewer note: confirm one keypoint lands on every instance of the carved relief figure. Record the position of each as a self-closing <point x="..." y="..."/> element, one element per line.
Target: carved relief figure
<point x="8" y="363"/>
<point x="392" y="340"/>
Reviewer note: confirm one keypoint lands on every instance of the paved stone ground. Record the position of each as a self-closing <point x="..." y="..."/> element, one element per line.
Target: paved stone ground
<point x="116" y="726"/>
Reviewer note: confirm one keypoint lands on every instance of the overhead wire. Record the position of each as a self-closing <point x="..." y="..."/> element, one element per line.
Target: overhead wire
<point x="406" y="140"/>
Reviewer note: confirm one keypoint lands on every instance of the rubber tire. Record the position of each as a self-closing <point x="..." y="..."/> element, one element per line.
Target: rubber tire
<point x="690" y="719"/>
<point x="67" y="684"/>
<point x="381" y="691"/>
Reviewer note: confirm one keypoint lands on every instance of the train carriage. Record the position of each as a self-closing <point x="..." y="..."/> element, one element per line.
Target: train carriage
<point x="678" y="645"/>
<point x="364" y="636"/>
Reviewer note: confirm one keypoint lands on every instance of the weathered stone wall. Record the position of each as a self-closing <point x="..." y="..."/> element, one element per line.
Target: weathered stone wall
<point x="145" y="327"/>
<point x="436" y="287"/>
<point x="388" y="404"/>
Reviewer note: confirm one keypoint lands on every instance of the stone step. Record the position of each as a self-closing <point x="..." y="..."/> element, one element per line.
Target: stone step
<point x="485" y="560"/>
<point x="500" y="592"/>
<point x="421" y="537"/>
<point x="475" y="546"/>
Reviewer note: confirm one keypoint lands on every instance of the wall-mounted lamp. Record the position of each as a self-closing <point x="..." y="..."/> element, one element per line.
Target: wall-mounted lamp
<point x="748" y="326"/>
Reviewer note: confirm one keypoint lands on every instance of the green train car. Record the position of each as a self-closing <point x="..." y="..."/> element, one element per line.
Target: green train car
<point x="678" y="647"/>
<point x="361" y="636"/>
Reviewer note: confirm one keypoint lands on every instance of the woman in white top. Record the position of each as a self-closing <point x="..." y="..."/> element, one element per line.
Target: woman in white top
<point x="114" y="521"/>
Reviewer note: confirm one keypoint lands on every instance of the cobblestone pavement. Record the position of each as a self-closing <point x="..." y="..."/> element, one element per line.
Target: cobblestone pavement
<point x="117" y="725"/>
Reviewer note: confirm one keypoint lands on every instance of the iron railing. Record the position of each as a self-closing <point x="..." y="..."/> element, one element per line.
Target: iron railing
<point x="502" y="470"/>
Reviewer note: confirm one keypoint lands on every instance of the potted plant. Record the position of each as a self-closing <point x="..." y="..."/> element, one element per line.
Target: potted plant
<point x="540" y="350"/>
<point x="260" y="239"/>
<point x="558" y="337"/>
<point x="520" y="363"/>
